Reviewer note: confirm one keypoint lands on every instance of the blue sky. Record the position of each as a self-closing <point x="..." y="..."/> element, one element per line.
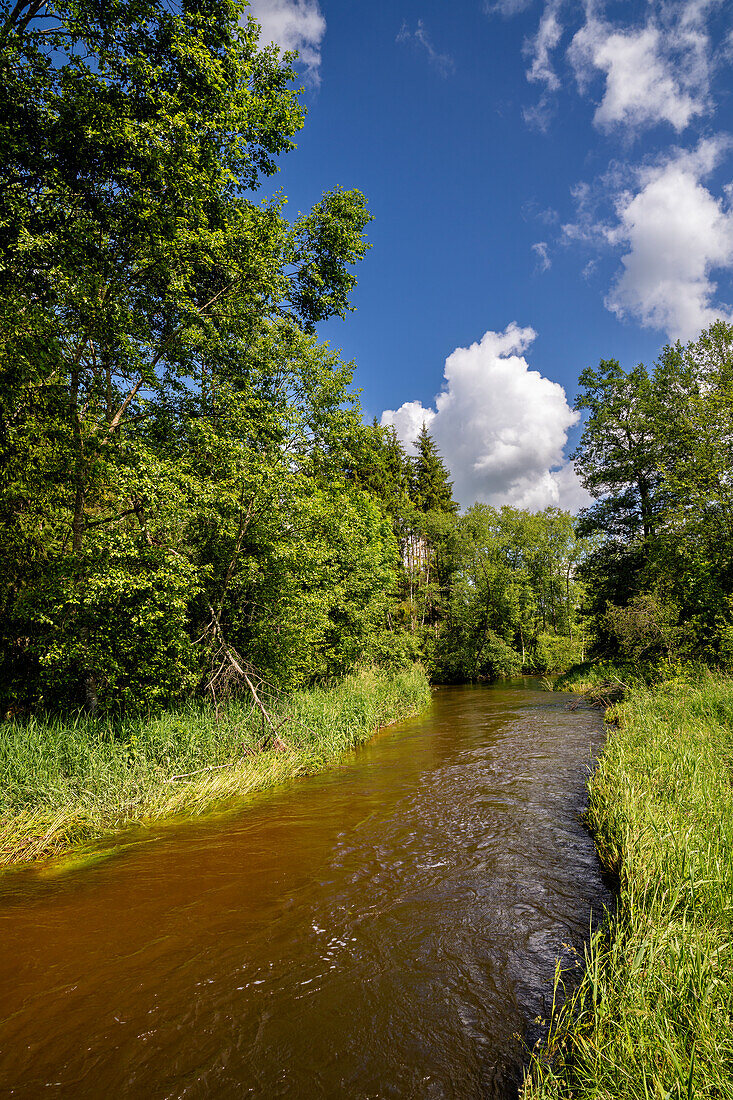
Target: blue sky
<point x="551" y="183"/>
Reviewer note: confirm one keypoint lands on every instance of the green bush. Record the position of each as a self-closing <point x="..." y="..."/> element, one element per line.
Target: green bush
<point x="555" y="653"/>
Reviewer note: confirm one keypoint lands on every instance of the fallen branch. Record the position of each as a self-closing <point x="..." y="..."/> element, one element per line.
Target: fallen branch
<point x="235" y="663"/>
<point x="200" y="771"/>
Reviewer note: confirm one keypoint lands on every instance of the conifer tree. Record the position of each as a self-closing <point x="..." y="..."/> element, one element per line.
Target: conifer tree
<point x="432" y="489"/>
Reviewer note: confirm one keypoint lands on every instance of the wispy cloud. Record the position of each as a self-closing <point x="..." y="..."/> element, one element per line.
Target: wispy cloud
<point x="539" y="115"/>
<point x="542" y="252"/>
<point x="540" y="48"/>
<point x="443" y="62"/>
<point x="652" y="68"/>
<point x="505" y="7"/>
<point x="646" y="69"/>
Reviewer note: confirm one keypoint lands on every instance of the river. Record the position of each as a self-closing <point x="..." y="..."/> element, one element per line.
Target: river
<point x="385" y="929"/>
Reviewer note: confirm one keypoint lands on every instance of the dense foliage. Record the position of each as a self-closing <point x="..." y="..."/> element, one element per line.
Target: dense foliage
<point x="488" y="593"/>
<point x="187" y="487"/>
<point x="172" y="437"/>
<point x="657" y="453"/>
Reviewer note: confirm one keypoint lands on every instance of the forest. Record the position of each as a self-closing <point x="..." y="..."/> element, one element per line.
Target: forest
<point x="188" y="487"/>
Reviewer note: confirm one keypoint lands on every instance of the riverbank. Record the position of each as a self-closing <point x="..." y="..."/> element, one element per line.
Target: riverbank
<point x="653" y="1016"/>
<point x="65" y="784"/>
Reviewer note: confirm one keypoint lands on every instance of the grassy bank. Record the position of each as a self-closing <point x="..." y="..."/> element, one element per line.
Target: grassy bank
<point x="64" y="784"/>
<point x="653" y="1017"/>
<point x="605" y="682"/>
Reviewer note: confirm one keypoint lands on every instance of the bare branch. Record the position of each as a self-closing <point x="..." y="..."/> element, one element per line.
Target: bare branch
<point x="33" y="9"/>
<point x="110" y="519"/>
<point x="114" y="423"/>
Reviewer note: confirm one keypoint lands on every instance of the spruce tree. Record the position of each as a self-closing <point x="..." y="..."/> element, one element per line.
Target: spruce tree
<point x="432" y="489"/>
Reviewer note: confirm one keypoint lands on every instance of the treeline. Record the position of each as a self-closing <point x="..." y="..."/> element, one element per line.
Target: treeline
<point x="653" y="1007"/>
<point x="189" y="494"/>
<point x="487" y="593"/>
<point x="657" y="454"/>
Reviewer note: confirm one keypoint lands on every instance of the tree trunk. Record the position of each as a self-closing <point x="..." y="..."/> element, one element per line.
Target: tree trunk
<point x="567" y="602"/>
<point x="88" y="679"/>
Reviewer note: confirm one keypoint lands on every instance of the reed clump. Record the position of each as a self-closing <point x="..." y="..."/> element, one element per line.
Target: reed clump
<point x="65" y="783"/>
<point x="652" y="1018"/>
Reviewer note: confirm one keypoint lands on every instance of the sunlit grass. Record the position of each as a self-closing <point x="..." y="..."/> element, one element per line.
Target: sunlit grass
<point x="653" y="1016"/>
<point x="65" y="783"/>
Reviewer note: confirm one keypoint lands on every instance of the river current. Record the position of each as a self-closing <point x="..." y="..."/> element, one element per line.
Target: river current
<point x="387" y="929"/>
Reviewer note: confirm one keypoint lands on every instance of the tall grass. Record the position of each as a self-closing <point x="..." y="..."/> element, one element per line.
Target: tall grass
<point x="65" y="783"/>
<point x="653" y="1016"/>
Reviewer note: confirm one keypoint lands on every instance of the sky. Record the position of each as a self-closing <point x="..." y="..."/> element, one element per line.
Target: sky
<point x="551" y="183"/>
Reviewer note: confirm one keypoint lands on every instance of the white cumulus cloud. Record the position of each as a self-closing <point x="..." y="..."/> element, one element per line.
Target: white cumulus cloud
<point x="407" y="422"/>
<point x="500" y="426"/>
<point x="678" y="234"/>
<point x="644" y="64"/>
<point x="293" y="25"/>
<point x="652" y="73"/>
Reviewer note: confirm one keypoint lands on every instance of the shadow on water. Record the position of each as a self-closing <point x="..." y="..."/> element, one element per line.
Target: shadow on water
<point x="386" y="929"/>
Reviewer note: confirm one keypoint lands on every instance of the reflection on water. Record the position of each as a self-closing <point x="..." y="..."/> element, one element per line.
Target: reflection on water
<point x="382" y="930"/>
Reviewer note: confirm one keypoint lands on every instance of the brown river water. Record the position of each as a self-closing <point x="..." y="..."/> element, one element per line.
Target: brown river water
<point x="385" y="929"/>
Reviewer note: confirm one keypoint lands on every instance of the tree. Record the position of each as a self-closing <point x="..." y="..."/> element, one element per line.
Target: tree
<point x="432" y="491"/>
<point x="693" y="561"/>
<point x="615" y="459"/>
<point x="152" y="324"/>
<point x="426" y="532"/>
<point x="510" y="599"/>
<point x="480" y="606"/>
<point x="658" y="453"/>
<point x="694" y="428"/>
<point x="129" y="249"/>
<point x="617" y="462"/>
